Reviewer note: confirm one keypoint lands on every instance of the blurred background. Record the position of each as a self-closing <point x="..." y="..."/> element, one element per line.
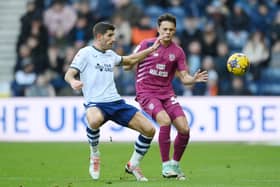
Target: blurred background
<point x="40" y="37"/>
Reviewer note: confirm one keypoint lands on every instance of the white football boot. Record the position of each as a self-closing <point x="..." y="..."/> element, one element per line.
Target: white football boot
<point x="136" y="171"/>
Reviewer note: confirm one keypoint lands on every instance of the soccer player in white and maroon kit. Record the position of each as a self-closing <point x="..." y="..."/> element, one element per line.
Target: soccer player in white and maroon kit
<point x="156" y="96"/>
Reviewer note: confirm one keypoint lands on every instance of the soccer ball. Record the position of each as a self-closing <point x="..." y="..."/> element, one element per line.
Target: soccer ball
<point x="238" y="64"/>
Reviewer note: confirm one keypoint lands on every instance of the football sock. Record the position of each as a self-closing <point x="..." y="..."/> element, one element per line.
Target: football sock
<point x="164" y="142"/>
<point x="93" y="139"/>
<point x="141" y="147"/>
<point x="180" y="144"/>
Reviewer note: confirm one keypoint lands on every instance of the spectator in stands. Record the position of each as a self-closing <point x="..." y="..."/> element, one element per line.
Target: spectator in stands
<point x="209" y="40"/>
<point x="24" y="53"/>
<point x="25" y="19"/>
<point x="41" y="87"/>
<point x="212" y="83"/>
<point x="83" y="9"/>
<point x="142" y="30"/>
<point x="80" y="34"/>
<point x="220" y="67"/>
<point x="275" y="56"/>
<point x="217" y="11"/>
<point x="59" y="19"/>
<point x="238" y="87"/>
<point x="237" y="29"/>
<point x="129" y="11"/>
<point x="190" y="32"/>
<point x="275" y="28"/>
<point x="194" y="56"/>
<point x="175" y="7"/>
<point x="24" y="78"/>
<point x="257" y="51"/>
<point x="122" y="32"/>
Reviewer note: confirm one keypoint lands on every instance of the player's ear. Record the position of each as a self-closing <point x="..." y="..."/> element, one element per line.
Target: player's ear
<point x="99" y="36"/>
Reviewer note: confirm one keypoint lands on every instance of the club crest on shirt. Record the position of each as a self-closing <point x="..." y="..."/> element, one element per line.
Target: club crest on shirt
<point x="151" y="106"/>
<point x="171" y="57"/>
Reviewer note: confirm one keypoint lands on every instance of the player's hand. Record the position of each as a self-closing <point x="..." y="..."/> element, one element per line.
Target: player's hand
<point x="156" y="43"/>
<point x="200" y="76"/>
<point x="76" y="84"/>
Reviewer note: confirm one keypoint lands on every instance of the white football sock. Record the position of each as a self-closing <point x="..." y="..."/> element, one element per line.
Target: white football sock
<point x="135" y="159"/>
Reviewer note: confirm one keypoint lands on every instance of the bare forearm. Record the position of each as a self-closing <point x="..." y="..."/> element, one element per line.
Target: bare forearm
<point x="137" y="57"/>
<point x="69" y="76"/>
<point x="188" y="79"/>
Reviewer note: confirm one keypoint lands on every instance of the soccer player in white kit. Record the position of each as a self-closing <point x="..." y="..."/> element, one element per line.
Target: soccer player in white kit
<point x="95" y="66"/>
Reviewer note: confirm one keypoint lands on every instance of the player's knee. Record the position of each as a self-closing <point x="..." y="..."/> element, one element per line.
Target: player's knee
<point x="150" y="131"/>
<point x="95" y="122"/>
<point x="164" y="121"/>
<point x="185" y="131"/>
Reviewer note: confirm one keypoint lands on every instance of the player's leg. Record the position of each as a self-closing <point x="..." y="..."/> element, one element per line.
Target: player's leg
<point x="141" y="124"/>
<point x="180" y="144"/>
<point x="154" y="108"/>
<point x="179" y="120"/>
<point x="95" y="120"/>
<point x="164" y="141"/>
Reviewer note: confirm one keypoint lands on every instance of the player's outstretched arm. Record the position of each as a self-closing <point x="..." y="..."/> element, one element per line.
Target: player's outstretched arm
<point x="70" y="79"/>
<point x="134" y="58"/>
<point x="187" y="79"/>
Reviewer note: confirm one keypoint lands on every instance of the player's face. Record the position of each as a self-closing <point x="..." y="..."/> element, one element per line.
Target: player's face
<point x="107" y="40"/>
<point x="166" y="30"/>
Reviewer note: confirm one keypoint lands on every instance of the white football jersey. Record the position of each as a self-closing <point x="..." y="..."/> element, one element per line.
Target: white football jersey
<point x="97" y="74"/>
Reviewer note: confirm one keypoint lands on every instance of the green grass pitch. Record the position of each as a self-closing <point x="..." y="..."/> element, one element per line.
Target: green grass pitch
<point x="205" y="164"/>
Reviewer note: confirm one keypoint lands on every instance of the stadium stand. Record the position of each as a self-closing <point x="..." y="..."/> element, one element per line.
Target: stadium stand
<point x="214" y="28"/>
<point x="10" y="12"/>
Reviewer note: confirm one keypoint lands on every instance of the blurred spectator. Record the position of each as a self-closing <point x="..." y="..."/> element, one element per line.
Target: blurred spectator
<point x="142" y="31"/>
<point x="83" y="9"/>
<point x="24" y="78"/>
<point x="24" y="53"/>
<point x="41" y="87"/>
<point x="275" y="56"/>
<point x="220" y="66"/>
<point x="209" y="40"/>
<point x="30" y="12"/>
<point x="194" y="56"/>
<point x="81" y="33"/>
<point x="238" y="87"/>
<point x="275" y="28"/>
<point x="212" y="83"/>
<point x="129" y="11"/>
<point x="190" y="31"/>
<point x="195" y="8"/>
<point x="217" y="11"/>
<point x="238" y="19"/>
<point x="102" y="10"/>
<point x="257" y="51"/>
<point x="59" y="19"/>
<point x="122" y="32"/>
<point x="175" y="7"/>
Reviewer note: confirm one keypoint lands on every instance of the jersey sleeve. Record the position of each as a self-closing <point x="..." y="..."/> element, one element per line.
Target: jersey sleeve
<point x="140" y="47"/>
<point x="182" y="66"/>
<point x="117" y="58"/>
<point x="79" y="61"/>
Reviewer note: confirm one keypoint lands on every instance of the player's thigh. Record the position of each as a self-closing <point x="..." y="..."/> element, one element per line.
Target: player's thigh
<point x="141" y="124"/>
<point x="95" y="117"/>
<point x="181" y="124"/>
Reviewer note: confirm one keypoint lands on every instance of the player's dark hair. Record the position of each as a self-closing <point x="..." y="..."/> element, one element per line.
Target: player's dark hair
<point x="166" y="17"/>
<point x="102" y="28"/>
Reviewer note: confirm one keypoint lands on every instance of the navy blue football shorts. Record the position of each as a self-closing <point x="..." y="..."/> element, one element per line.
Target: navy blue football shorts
<point x="117" y="111"/>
